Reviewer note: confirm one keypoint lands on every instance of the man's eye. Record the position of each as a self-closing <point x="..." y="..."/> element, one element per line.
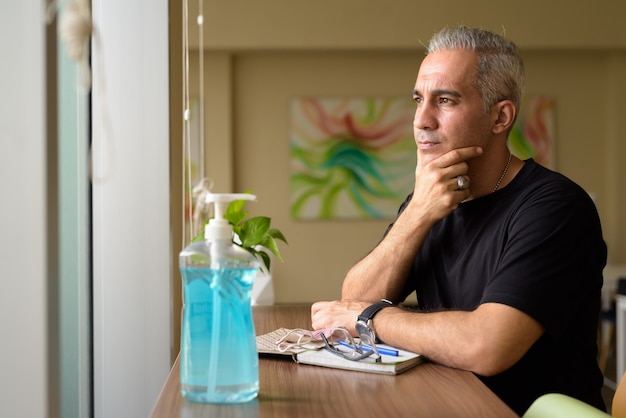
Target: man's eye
<point x="418" y="99"/>
<point x="444" y="100"/>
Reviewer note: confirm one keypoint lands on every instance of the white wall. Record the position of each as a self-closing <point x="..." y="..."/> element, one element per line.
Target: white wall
<point x="131" y="225"/>
<point x="23" y="170"/>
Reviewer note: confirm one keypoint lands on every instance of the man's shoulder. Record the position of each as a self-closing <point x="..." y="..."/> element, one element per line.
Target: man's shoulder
<point x="534" y="172"/>
<point x="535" y="179"/>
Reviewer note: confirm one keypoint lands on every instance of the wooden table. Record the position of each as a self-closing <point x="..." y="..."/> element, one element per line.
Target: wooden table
<point x="296" y="390"/>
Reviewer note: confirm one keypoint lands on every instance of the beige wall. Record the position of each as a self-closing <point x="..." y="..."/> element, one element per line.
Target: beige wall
<point x="366" y="24"/>
<point x="259" y="57"/>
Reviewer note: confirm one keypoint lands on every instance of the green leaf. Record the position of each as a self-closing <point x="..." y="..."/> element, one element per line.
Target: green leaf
<point x="237" y="230"/>
<point x="235" y="206"/>
<point x="235" y="217"/>
<point x="265" y="258"/>
<point x="270" y="243"/>
<point x="253" y="230"/>
<point x="275" y="233"/>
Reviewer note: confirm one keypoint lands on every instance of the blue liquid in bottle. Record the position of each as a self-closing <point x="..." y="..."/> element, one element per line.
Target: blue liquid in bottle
<point x="219" y="361"/>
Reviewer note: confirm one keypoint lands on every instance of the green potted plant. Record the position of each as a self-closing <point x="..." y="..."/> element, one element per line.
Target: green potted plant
<point x="252" y="234"/>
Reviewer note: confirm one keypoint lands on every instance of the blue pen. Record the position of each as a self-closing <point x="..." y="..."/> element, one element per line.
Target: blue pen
<point x="381" y="350"/>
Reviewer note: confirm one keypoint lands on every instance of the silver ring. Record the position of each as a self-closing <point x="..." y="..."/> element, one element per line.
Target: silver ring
<point x="462" y="182"/>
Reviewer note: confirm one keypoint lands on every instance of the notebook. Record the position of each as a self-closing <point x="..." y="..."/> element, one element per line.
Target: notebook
<point x="313" y="353"/>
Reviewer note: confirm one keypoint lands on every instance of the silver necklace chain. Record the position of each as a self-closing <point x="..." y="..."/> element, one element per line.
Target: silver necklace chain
<point x="506" y="168"/>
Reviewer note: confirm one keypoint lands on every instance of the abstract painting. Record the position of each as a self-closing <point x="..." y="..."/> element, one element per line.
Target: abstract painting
<point x="351" y="158"/>
<point x="532" y="135"/>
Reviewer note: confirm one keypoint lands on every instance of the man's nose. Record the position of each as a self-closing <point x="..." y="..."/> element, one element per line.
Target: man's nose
<point x="425" y="118"/>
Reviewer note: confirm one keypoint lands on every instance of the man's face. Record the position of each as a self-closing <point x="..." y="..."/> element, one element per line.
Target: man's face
<point x="449" y="111"/>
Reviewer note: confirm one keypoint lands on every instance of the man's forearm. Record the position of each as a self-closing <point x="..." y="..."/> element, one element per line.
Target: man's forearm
<point x="486" y="341"/>
<point x="383" y="272"/>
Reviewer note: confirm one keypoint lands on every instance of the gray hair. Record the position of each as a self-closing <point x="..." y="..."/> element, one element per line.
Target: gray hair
<point x="500" y="69"/>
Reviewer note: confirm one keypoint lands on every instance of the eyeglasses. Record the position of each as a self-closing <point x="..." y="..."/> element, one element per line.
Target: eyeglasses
<point x="354" y="351"/>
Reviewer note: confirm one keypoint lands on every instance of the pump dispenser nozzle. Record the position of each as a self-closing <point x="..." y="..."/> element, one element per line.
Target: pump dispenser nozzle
<point x="219" y="228"/>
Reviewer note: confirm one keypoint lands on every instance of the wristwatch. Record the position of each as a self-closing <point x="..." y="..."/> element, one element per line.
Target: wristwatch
<point x="364" y="320"/>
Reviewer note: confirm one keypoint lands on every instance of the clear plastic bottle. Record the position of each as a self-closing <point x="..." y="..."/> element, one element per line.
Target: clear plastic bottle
<point x="218" y="360"/>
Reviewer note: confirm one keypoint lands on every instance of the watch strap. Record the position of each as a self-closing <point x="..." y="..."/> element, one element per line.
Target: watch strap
<point x="373" y="309"/>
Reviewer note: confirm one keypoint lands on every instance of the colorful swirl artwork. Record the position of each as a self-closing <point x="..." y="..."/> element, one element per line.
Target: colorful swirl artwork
<point x="351" y="158"/>
<point x="532" y="135"/>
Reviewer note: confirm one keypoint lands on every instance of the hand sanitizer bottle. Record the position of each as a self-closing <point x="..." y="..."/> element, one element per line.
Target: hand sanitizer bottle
<point x="218" y="358"/>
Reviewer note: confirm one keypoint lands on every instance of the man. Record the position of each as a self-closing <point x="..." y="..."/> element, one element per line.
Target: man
<point x="505" y="256"/>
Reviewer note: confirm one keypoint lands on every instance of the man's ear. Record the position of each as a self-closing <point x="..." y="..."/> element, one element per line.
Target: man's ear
<point x="504" y="114"/>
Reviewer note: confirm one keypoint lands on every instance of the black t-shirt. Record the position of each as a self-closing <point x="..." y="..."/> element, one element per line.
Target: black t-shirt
<point x="535" y="245"/>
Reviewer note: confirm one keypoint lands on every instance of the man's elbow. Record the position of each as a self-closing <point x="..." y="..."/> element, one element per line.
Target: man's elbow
<point x="492" y="361"/>
<point x="488" y="368"/>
